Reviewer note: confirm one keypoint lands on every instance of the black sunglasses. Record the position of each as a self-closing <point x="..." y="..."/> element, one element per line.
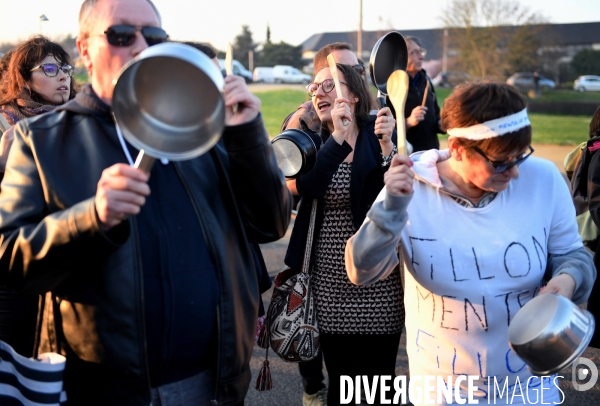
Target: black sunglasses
<point x="500" y="167"/>
<point x="359" y="68"/>
<point x="52" y="69"/>
<point x="124" y="35"/>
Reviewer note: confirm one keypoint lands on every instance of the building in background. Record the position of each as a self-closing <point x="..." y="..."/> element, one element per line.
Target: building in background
<point x="560" y="44"/>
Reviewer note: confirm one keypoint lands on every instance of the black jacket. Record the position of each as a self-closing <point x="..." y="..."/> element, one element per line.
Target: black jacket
<point x="590" y="173"/>
<point x="51" y="240"/>
<point x="423" y="136"/>
<point x="365" y="184"/>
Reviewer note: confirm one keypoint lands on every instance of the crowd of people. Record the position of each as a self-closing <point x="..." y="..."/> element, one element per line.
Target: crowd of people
<point x="150" y="283"/>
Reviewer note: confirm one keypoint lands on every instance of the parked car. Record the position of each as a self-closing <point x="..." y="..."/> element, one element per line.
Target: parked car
<point x="587" y="83"/>
<point x="263" y="75"/>
<point x="289" y="74"/>
<point x="450" y="78"/>
<point x="238" y="69"/>
<point x="524" y="81"/>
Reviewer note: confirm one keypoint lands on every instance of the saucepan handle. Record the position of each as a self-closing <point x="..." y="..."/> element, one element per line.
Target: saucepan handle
<point x="382" y="104"/>
<point x="144" y="161"/>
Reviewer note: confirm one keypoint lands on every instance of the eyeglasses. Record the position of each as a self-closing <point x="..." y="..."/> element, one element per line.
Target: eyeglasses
<point x="51" y="69"/>
<point x="500" y="167"/>
<point x="416" y="52"/>
<point x="124" y="35"/>
<point x="328" y="85"/>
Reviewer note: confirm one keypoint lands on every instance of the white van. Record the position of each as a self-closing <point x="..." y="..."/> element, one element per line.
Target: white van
<point x="289" y="74"/>
<point x="263" y="75"/>
<point x="238" y="69"/>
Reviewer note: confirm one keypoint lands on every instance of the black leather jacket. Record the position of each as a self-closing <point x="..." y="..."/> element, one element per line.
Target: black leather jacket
<point x="51" y="241"/>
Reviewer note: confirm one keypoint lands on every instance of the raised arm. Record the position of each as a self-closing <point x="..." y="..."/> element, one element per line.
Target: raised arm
<point x="371" y="253"/>
<point x="259" y="186"/>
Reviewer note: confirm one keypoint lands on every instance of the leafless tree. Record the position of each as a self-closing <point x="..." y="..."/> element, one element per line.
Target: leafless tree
<point x="493" y="37"/>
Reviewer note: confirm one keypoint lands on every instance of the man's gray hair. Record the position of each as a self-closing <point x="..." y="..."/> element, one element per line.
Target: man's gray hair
<point x="86" y="10"/>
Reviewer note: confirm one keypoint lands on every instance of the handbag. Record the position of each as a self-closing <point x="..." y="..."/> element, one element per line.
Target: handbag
<point x="31" y="381"/>
<point x="291" y="328"/>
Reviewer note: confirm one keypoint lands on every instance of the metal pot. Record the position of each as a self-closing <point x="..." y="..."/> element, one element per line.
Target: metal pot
<point x="549" y="333"/>
<point x="295" y="151"/>
<point x="168" y="102"/>
<point x="389" y="54"/>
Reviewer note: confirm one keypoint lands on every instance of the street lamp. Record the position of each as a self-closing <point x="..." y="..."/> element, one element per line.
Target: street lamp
<point x="42" y="19"/>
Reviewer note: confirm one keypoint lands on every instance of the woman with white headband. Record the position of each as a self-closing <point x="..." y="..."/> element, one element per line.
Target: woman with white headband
<point x="488" y="228"/>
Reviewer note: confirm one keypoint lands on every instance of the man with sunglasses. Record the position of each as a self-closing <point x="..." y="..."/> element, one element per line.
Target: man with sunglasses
<point x="154" y="295"/>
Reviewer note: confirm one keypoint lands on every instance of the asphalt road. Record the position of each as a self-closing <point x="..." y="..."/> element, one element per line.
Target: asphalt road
<point x="287" y="390"/>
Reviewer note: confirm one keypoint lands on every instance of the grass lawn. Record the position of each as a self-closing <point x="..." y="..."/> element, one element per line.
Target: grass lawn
<point x="559" y="130"/>
<point x="277" y="104"/>
<point x="569" y="96"/>
<point x="547" y="129"/>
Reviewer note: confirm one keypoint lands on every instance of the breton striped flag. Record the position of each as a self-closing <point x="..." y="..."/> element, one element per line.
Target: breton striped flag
<point x="29" y="382"/>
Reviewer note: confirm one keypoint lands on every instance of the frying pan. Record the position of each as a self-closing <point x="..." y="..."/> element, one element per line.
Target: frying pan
<point x="388" y="55"/>
<point x="168" y="103"/>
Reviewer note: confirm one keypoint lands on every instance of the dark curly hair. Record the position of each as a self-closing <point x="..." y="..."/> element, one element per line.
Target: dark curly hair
<point x="25" y="57"/>
<point x="475" y="103"/>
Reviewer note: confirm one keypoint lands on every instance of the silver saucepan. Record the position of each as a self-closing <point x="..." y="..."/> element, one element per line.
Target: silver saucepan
<point x="168" y="103"/>
<point x="295" y="151"/>
<point x="549" y="333"/>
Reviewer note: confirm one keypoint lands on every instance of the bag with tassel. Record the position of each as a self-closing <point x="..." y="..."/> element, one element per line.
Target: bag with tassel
<point x="291" y="328"/>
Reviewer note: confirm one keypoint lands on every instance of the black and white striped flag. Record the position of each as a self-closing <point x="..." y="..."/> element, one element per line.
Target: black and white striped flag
<point x="29" y="382"/>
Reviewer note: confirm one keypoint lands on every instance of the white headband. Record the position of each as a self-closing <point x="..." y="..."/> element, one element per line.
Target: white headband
<point x="493" y="128"/>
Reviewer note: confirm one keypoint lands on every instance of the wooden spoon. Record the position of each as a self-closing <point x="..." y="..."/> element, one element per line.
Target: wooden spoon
<point x="397" y="87"/>
<point x="336" y="80"/>
<point x="229" y="60"/>
<point x="425" y="93"/>
<point x="229" y="68"/>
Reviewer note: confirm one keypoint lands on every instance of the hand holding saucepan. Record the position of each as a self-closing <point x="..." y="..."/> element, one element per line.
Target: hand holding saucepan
<point x="400" y="177"/>
<point x="121" y="191"/>
<point x="562" y="284"/>
<point x="385" y="124"/>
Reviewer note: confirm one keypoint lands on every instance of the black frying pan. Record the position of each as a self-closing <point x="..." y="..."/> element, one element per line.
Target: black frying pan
<point x="389" y="54"/>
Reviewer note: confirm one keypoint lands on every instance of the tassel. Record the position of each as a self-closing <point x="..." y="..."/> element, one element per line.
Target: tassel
<point x="264" y="381"/>
<point x="262" y="338"/>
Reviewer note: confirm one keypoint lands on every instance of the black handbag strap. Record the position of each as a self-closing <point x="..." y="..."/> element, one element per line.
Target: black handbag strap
<point x="309" y="238"/>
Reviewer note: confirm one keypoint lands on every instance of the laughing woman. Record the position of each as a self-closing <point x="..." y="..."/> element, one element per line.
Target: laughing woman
<point x="483" y="228"/>
<point x="360" y="325"/>
<point x="39" y="78"/>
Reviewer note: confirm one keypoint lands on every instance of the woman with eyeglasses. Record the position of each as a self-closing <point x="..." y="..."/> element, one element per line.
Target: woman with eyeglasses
<point x="483" y="228"/>
<point x="359" y="326"/>
<point x="39" y="78"/>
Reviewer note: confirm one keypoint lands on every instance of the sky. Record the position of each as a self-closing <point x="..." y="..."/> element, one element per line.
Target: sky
<point x="218" y="22"/>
